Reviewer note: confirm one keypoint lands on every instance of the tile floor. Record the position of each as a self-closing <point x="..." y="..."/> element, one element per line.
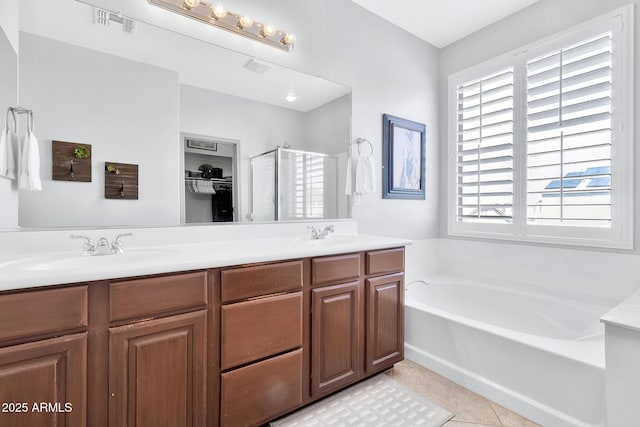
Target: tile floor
<point x="470" y="409"/>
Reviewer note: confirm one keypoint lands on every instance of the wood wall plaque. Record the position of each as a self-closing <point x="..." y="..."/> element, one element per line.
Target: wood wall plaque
<point x="120" y="181"/>
<point x="66" y="166"/>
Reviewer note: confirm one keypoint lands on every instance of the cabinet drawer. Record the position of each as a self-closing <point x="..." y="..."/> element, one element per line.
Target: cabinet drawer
<point x="257" y="329"/>
<point x="34" y="313"/>
<point x="385" y="261"/>
<point x="259" y="392"/>
<point x="155" y="295"/>
<point x="248" y="282"/>
<point x="335" y="269"/>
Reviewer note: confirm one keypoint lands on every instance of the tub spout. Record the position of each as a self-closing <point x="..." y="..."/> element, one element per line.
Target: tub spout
<point x="424" y="282"/>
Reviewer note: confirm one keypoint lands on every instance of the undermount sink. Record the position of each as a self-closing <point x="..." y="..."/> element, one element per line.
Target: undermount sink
<point x="69" y="261"/>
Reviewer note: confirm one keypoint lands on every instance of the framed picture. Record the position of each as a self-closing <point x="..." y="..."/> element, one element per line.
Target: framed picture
<point x="403" y="158"/>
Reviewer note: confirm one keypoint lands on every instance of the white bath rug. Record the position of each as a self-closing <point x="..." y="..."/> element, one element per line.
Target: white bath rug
<point x="377" y="402"/>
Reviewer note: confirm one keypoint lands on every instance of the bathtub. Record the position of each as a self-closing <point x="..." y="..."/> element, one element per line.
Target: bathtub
<point x="539" y="354"/>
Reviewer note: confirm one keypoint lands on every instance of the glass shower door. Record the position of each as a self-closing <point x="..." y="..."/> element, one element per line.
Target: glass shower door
<point x="263" y="187"/>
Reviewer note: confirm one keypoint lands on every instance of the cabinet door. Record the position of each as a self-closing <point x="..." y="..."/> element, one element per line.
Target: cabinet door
<point x="44" y="383"/>
<point x="384" y="321"/>
<point x="334" y="336"/>
<point x="157" y="372"/>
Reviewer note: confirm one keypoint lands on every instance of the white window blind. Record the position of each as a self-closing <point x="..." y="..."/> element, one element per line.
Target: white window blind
<point x="484" y="125"/>
<point x="569" y="135"/>
<point x="541" y="140"/>
<point x="305" y="186"/>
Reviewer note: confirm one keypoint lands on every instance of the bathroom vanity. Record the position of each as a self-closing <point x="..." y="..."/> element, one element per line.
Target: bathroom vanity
<point x="236" y="345"/>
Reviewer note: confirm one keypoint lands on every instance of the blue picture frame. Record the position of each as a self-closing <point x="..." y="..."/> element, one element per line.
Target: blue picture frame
<point x="403" y="158"/>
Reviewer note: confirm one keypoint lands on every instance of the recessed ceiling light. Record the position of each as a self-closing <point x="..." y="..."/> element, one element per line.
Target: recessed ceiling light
<point x="291" y="97"/>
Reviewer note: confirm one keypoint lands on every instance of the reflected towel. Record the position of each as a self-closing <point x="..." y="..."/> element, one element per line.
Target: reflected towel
<point x="8" y="154"/>
<point x="30" y="164"/>
<point x="348" y="188"/>
<point x="365" y="176"/>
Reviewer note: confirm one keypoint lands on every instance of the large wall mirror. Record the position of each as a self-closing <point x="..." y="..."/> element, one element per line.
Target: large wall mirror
<point x="193" y="117"/>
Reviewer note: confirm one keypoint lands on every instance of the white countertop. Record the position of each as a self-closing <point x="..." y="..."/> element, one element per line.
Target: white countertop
<point x="43" y="269"/>
<point x="626" y="314"/>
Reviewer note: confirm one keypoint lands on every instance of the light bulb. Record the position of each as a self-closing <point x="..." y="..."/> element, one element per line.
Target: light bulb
<point x="291" y="97"/>
<point x="219" y="12"/>
<point x="190" y="4"/>
<point x="245" y="22"/>
<point x="267" y="30"/>
<point x="288" y="39"/>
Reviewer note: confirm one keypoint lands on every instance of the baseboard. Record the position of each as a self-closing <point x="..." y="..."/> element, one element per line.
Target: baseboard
<point x="529" y="408"/>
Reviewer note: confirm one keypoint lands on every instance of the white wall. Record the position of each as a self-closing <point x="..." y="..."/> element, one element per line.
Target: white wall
<point x="542" y="19"/>
<point x="9" y="21"/>
<point x="8" y="97"/>
<point x="128" y="111"/>
<point x="613" y="275"/>
<point x="330" y="127"/>
<point x="389" y="70"/>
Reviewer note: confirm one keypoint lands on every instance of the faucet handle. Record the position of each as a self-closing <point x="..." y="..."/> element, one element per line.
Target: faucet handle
<point x="88" y="246"/>
<point x="116" y="245"/>
<point x="314" y="233"/>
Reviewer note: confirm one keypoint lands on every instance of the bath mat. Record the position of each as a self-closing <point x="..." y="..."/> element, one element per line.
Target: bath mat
<point x="377" y="402"/>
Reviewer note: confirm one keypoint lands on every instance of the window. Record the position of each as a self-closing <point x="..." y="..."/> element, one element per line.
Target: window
<point x="304" y="185"/>
<point x="541" y="140"/>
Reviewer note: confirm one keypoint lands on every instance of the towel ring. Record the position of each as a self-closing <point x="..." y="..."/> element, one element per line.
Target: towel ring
<point x="15" y="120"/>
<point x="359" y="141"/>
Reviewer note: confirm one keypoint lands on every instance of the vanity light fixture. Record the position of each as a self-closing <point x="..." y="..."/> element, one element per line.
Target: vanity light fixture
<point x="217" y="15"/>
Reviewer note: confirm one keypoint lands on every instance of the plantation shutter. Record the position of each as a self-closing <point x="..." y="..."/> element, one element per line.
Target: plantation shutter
<point x="306" y="185"/>
<point x="484" y="149"/>
<point x="569" y="135"/>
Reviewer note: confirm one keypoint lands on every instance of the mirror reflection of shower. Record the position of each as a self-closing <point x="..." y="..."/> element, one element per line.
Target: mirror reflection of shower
<point x="291" y="184"/>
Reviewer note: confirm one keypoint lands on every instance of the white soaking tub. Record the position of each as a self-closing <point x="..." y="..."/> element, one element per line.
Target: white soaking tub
<point x="538" y="354"/>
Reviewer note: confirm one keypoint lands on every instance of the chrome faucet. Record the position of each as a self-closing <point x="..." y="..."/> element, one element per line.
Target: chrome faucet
<point x="316" y="234"/>
<point x="116" y="246"/>
<point x="88" y="247"/>
<point x="103" y="247"/>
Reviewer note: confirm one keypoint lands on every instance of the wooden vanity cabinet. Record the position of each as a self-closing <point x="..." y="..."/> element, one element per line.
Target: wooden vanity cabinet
<point x="357" y="327"/>
<point x="384" y="309"/>
<point x="261" y="344"/>
<point x="43" y="357"/>
<point x="236" y="346"/>
<point x="157" y="359"/>
<point x="384" y="321"/>
<point x="335" y="337"/>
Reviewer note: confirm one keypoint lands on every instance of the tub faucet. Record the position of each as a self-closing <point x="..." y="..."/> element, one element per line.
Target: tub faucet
<point x="424" y="282"/>
<point x="316" y="234"/>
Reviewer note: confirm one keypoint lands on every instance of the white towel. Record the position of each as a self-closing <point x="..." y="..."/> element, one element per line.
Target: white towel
<point x="348" y="188"/>
<point x="365" y="176"/>
<point x="29" y="178"/>
<point x="8" y="153"/>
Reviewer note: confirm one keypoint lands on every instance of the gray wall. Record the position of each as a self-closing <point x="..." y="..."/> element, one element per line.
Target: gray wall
<point x="540" y="20"/>
<point x="330" y="127"/>
<point x="128" y="111"/>
<point x="8" y="97"/>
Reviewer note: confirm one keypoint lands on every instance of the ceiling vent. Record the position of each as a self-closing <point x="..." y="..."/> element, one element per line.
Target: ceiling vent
<point x="257" y="66"/>
<point x="104" y="18"/>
